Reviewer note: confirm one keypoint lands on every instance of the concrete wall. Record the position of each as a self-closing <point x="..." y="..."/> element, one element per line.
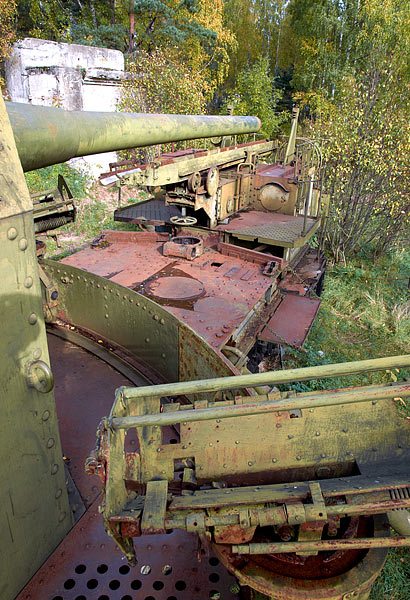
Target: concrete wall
<point x="70" y="76"/>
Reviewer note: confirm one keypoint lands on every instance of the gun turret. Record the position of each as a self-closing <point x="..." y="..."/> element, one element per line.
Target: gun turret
<point x="46" y="136"/>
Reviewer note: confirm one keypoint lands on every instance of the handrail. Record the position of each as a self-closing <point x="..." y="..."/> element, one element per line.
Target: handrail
<point x="366" y="394"/>
<point x="266" y="378"/>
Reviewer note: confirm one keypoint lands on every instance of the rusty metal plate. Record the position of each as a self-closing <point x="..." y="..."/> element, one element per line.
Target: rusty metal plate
<point x="88" y="566"/>
<point x="292" y="320"/>
<point x="134" y="325"/>
<point x="275" y="227"/>
<point x="84" y="391"/>
<point x="235" y="284"/>
<point x="175" y="288"/>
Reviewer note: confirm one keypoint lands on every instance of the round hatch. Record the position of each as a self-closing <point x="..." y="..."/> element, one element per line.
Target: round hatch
<point x="175" y="288"/>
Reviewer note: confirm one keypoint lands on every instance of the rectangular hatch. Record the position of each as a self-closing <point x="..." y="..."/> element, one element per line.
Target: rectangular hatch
<point x="292" y="320"/>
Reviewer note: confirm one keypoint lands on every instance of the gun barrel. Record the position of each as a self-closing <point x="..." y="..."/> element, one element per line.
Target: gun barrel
<point x="46" y="135"/>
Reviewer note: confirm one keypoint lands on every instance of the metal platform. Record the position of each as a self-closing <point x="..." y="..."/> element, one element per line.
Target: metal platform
<point x="231" y="285"/>
<point x="155" y="211"/>
<point x="271" y="228"/>
<point x="87" y="565"/>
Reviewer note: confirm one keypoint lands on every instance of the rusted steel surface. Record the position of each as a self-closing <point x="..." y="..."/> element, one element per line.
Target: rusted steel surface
<point x="183" y="246"/>
<point x="323" y="545"/>
<point x="172" y="157"/>
<point x="292" y="320"/>
<point x="197" y="360"/>
<point x="232" y="286"/>
<point x="329" y="576"/>
<point x="277" y="170"/>
<point x="88" y="565"/>
<point x="253" y="256"/>
<point x="286" y="229"/>
<point x="255" y="219"/>
<point x="84" y="390"/>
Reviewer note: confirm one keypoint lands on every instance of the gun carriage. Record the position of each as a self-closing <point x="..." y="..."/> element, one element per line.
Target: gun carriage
<point x="277" y="494"/>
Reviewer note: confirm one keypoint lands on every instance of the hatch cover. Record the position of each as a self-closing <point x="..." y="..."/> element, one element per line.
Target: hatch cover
<point x="174" y="288"/>
<point x="291" y="321"/>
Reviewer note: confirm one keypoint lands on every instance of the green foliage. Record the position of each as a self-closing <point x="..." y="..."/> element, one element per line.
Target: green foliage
<point x="47" y="20"/>
<point x="256" y="95"/>
<point x="160" y="83"/>
<point x="7" y="26"/>
<point x="368" y="304"/>
<point x="46" y="179"/>
<point x="394" y="581"/>
<point x="260" y="29"/>
<point x="366" y="131"/>
<point x="104" y="36"/>
<point x="169" y="23"/>
<point x="325" y="34"/>
<point x="103" y="23"/>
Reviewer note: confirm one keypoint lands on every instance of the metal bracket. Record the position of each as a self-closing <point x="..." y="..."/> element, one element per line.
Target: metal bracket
<point x="155" y="506"/>
<point x="317" y="512"/>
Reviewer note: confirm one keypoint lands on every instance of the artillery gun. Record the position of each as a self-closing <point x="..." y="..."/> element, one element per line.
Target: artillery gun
<point x="291" y="493"/>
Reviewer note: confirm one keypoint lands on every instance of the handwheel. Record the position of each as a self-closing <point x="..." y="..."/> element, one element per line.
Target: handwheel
<point x="183" y="220"/>
<point x="330" y="575"/>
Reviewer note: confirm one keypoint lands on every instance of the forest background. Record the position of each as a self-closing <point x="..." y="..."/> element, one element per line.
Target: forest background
<point x="346" y="63"/>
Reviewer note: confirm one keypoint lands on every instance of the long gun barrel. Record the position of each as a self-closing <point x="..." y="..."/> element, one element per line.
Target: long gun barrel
<point x="46" y="136"/>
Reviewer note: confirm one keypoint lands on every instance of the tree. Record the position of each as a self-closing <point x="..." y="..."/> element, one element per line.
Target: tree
<point x="168" y="22"/>
<point x="103" y="23"/>
<point x="367" y="131"/>
<point x="255" y="94"/>
<point x="160" y="83"/>
<point x="7" y="27"/>
<point x="325" y="35"/>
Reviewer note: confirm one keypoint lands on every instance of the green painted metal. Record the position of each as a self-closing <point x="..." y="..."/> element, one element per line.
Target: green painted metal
<point x="255" y="407"/>
<point x="34" y="513"/>
<point x="179" y="170"/>
<point x="400" y="521"/>
<point x="270" y="377"/>
<point x="46" y="135"/>
<point x="134" y="324"/>
<point x="290" y="149"/>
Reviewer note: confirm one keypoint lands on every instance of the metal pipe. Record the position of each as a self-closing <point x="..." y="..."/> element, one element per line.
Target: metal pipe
<point x="268" y="378"/>
<point x="307" y="204"/>
<point x="45" y="135"/>
<point x="341" y="510"/>
<point x="254" y="408"/>
<point x="320" y="546"/>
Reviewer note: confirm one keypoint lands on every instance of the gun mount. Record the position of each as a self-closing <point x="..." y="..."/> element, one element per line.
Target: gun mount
<point x="59" y="135"/>
<point x="54" y="208"/>
<point x="276" y="486"/>
<point x="282" y="487"/>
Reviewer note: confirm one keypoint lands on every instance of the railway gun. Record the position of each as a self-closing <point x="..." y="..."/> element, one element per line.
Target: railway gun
<point x="211" y="481"/>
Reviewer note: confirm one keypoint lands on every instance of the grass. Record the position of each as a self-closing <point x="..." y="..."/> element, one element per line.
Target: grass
<point x="365" y="313"/>
<point x="394" y="581"/>
<point x="95" y="208"/>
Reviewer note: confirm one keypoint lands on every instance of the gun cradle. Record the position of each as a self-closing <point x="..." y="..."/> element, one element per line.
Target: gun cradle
<point x="279" y="475"/>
